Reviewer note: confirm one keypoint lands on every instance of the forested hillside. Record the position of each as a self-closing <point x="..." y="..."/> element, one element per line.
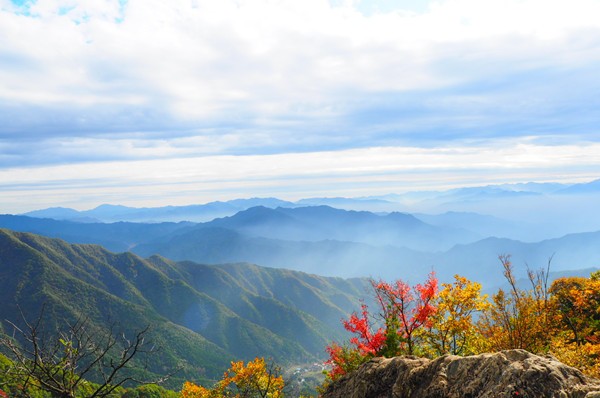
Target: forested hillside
<point x="202" y="316"/>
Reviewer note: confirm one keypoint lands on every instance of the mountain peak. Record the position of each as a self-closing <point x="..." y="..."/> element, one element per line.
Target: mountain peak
<point x="583" y="188"/>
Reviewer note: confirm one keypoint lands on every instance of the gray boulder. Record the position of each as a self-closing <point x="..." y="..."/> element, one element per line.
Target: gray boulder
<point x="511" y="373"/>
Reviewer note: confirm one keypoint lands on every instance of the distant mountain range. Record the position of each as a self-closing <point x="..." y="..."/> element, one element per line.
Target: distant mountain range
<point x="318" y="223"/>
<point x="477" y="261"/>
<point x="202" y="316"/>
<point x="118" y="237"/>
<point x="332" y="242"/>
<point x="406" y="202"/>
<point x="583" y="188"/>
<point x="194" y="213"/>
<point x="311" y="224"/>
<point x="524" y="211"/>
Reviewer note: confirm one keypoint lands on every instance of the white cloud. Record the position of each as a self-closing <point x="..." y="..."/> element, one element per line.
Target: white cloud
<point x="353" y="172"/>
<point x="269" y="57"/>
<point x="175" y="86"/>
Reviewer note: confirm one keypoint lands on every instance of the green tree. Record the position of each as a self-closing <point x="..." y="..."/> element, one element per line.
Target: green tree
<point x="150" y="391"/>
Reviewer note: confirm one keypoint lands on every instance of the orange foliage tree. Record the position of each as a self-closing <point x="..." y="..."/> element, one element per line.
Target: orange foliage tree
<point x="578" y="303"/>
<point x="452" y="329"/>
<point x="520" y="318"/>
<point x="256" y="379"/>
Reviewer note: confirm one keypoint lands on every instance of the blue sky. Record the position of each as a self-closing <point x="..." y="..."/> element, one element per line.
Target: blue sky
<point x="147" y="103"/>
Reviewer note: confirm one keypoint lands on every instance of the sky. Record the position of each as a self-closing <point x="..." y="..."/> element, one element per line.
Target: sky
<point x="151" y="103"/>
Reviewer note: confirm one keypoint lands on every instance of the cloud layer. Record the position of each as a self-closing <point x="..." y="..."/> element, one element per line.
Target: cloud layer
<point x="109" y="82"/>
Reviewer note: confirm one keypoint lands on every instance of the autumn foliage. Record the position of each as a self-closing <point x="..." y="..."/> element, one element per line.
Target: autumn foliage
<point x="451" y="329"/>
<point x="254" y="379"/>
<point x="577" y="302"/>
<point x="520" y="318"/>
<point x="562" y="319"/>
<point x="402" y="312"/>
<point x="366" y="341"/>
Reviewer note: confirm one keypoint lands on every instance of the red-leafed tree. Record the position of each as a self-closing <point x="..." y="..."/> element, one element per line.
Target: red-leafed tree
<point x="342" y="359"/>
<point x="402" y="311"/>
<point x="366" y="342"/>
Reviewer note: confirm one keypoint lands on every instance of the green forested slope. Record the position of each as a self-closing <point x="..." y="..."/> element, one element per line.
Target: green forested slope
<point x="202" y="316"/>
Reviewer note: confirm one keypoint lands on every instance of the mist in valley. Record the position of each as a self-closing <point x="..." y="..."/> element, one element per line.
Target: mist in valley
<point x="460" y="231"/>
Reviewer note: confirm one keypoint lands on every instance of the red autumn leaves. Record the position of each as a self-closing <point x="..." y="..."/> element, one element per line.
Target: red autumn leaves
<point x="366" y="341"/>
<point x="562" y="319"/>
<point x="402" y="310"/>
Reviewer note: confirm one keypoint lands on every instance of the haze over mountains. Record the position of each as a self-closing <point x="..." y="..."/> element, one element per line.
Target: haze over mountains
<point x="525" y="211"/>
<point x="311" y="237"/>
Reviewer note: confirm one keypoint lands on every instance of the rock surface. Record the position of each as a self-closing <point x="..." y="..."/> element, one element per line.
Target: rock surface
<point x="512" y="373"/>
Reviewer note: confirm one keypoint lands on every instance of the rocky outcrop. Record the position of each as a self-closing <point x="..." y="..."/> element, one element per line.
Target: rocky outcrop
<point x="512" y="373"/>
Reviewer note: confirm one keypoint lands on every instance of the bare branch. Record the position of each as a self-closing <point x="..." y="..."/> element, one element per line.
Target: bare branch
<point x="60" y="363"/>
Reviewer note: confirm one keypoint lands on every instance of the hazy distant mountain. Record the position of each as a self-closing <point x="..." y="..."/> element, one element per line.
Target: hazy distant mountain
<point x="316" y="223"/>
<point x="478" y="260"/>
<point x="477" y="193"/>
<point x="545" y="187"/>
<point x="483" y="225"/>
<point x="216" y="245"/>
<point x="243" y="204"/>
<point x="117" y="237"/>
<point x="312" y="224"/>
<point x="204" y="315"/>
<point x="483" y="193"/>
<point x="358" y="204"/>
<point x="194" y="213"/>
<point x="329" y="241"/>
<point x="592" y="187"/>
<point x="534" y="211"/>
<point x="57" y="213"/>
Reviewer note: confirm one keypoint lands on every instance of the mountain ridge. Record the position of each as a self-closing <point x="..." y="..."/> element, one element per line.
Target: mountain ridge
<point x="74" y="280"/>
<point x="206" y="243"/>
<point x="404" y="202"/>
